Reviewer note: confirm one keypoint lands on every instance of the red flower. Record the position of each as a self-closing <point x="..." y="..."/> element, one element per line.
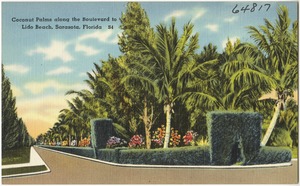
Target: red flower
<point x="188" y="138"/>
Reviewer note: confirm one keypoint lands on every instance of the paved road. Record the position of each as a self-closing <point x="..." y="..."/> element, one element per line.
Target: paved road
<point x="72" y="170"/>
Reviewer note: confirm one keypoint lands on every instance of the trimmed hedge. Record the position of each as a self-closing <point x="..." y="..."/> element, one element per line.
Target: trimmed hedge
<point x="171" y="156"/>
<point x="101" y="131"/>
<point x="226" y="129"/>
<point x="271" y="155"/>
<point x="111" y="155"/>
<point x="81" y="151"/>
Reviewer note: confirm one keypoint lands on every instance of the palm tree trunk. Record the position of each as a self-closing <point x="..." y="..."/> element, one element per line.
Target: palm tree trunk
<point x="76" y="139"/>
<point x="69" y="139"/>
<point x="146" y="120"/>
<point x="148" y="138"/>
<point x="272" y="124"/>
<point x="168" y="125"/>
<point x="148" y="123"/>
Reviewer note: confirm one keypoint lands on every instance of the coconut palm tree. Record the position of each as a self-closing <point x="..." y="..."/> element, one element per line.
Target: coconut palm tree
<point x="172" y="60"/>
<point x="139" y="83"/>
<point x="50" y="135"/>
<point x="136" y="81"/>
<point x="277" y="45"/>
<point x="246" y="82"/>
<point x="79" y="117"/>
<point x="106" y="96"/>
<point x="67" y="124"/>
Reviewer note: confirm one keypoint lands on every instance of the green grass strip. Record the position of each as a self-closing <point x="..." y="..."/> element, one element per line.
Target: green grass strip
<point x="22" y="170"/>
<point x="16" y="156"/>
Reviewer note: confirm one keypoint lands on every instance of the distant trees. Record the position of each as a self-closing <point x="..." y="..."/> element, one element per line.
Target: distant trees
<point x="14" y="131"/>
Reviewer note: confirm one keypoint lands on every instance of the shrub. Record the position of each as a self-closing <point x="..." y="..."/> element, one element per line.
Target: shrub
<point x="65" y="143"/>
<point x="189" y="137"/>
<point x="175" y="138"/>
<point x="201" y="141"/>
<point x="226" y="129"/>
<point x="171" y="156"/>
<point x="281" y="137"/>
<point x="270" y="155"/>
<point x="159" y="136"/>
<point x="137" y="141"/>
<point x="114" y="142"/>
<point x="84" y="142"/>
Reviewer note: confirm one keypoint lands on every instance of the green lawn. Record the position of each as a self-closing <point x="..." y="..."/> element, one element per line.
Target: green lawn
<point x="21" y="170"/>
<point x="16" y="156"/>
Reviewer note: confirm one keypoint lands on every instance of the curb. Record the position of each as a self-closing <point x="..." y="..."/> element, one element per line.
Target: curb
<point x="35" y="160"/>
<point x="175" y="166"/>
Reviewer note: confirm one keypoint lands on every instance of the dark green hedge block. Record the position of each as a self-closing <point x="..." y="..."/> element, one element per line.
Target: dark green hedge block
<point x="171" y="156"/>
<point x="111" y="155"/>
<point x="227" y="130"/>
<point x="176" y="156"/>
<point x="101" y="131"/>
<point x="271" y="155"/>
<point x="108" y="155"/>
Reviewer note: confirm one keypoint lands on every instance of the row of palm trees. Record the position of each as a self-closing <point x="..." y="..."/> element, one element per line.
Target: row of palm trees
<point x="161" y="79"/>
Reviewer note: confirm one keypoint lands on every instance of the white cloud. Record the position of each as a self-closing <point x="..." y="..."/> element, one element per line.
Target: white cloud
<point x="176" y="14"/>
<point x="232" y="40"/>
<point x="212" y="27"/>
<point x="60" y="70"/>
<point x="195" y="14"/>
<point x="198" y="13"/>
<point x="87" y="50"/>
<point x="83" y="74"/>
<point x="41" y="112"/>
<point x="16" y="68"/>
<point x="56" y="50"/>
<point x="17" y="92"/>
<point x="40" y="87"/>
<point x="231" y="19"/>
<point x="115" y="40"/>
<point x="101" y="36"/>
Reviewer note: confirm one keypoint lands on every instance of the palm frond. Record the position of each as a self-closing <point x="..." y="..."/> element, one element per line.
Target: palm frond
<point x="252" y="77"/>
<point x="140" y="82"/>
<point x="259" y="39"/>
<point x="201" y="99"/>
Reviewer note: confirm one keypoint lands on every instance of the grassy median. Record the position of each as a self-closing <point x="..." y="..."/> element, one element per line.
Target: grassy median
<point x="16" y="156"/>
<point x="21" y="170"/>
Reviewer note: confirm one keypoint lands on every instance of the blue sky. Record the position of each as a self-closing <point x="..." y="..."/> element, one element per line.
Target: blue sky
<point x="43" y="64"/>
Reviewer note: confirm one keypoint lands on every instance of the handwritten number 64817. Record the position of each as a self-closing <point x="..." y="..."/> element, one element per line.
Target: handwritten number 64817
<point x="251" y="8"/>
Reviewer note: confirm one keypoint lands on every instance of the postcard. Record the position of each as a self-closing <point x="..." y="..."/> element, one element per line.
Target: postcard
<point x="150" y="92"/>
